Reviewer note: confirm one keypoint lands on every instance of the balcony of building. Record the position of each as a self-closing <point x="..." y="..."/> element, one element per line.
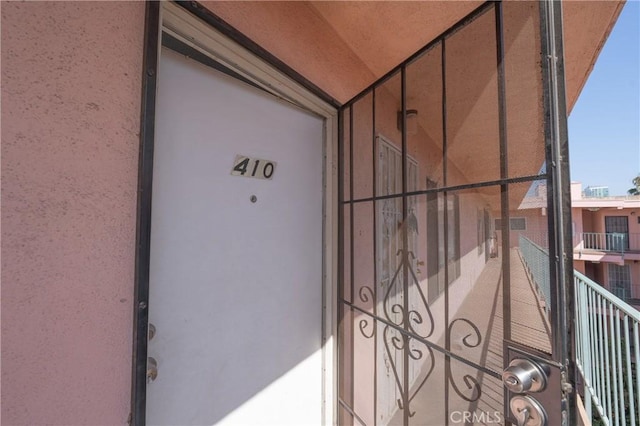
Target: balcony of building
<point x="607" y="339"/>
<point x="607" y="243"/>
<point x="617" y="242"/>
<point x="612" y="260"/>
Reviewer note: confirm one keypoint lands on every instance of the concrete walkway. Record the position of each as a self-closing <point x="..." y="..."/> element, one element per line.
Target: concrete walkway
<point x="483" y="307"/>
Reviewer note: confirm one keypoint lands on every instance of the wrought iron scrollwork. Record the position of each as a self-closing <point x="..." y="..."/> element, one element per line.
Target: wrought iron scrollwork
<point x="472" y="340"/>
<point x="412" y="318"/>
<point x="396" y="308"/>
<point x="401" y="344"/>
<point x="398" y="344"/>
<point x="472" y="384"/>
<point x="367" y="295"/>
<point x="428" y="372"/>
<point x="403" y="319"/>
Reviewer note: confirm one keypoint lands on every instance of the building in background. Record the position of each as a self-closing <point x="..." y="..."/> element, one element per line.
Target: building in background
<point x="606" y="237"/>
<point x="596" y="191"/>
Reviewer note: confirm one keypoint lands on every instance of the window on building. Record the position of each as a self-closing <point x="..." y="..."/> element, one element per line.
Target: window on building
<point x="518" y="224"/>
<point x="617" y="232"/>
<point x="515" y="224"/>
<point x="620" y="280"/>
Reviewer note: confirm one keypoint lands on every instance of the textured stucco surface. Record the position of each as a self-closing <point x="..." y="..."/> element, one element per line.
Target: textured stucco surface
<point x="296" y="34"/>
<point x="344" y="46"/>
<point x="71" y="77"/>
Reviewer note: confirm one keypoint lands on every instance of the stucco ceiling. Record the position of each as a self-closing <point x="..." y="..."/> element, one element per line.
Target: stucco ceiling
<point x="383" y="34"/>
<point x="344" y="46"/>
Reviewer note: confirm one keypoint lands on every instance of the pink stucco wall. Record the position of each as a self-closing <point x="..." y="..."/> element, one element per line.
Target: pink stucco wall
<point x="71" y="82"/>
<point x="631" y="214"/>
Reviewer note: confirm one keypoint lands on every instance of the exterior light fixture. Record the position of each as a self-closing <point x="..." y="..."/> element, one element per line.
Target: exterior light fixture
<point x="412" y="121"/>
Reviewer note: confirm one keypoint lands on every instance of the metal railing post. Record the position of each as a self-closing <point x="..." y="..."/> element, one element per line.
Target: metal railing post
<point x="607" y="338"/>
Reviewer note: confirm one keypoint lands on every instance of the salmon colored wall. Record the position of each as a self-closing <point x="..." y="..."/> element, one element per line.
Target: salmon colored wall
<point x="299" y="36"/>
<point x="71" y="83"/>
<point x="579" y="265"/>
<point x="523" y="88"/>
<point x="587" y="221"/>
<point x="578" y="225"/>
<point x="319" y="38"/>
<point x="537" y="227"/>
<point x="599" y="221"/>
<point x="333" y="44"/>
<point x="634" y="225"/>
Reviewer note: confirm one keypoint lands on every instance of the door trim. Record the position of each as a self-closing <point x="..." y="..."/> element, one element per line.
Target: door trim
<point x="143" y="214"/>
<point x="211" y="38"/>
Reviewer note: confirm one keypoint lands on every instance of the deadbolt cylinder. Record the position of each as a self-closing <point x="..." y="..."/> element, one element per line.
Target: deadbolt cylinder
<point x="523" y="376"/>
<point x="528" y="411"/>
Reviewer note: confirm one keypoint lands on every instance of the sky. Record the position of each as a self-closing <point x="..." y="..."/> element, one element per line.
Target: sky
<point x="604" y="125"/>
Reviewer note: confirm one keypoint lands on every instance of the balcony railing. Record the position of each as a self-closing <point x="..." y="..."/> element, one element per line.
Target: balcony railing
<point x="607" y="342"/>
<point x="536" y="261"/>
<point x="607" y="241"/>
<point x="608" y="353"/>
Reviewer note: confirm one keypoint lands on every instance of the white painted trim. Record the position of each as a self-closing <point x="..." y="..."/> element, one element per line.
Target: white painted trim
<point x="330" y="332"/>
<point x="199" y="35"/>
<point x="204" y="38"/>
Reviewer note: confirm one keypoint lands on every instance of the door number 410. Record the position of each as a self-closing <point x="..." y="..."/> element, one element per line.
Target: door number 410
<point x="253" y="167"/>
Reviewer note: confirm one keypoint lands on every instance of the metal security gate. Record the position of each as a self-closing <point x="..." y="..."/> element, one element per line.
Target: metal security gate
<point x="443" y="319"/>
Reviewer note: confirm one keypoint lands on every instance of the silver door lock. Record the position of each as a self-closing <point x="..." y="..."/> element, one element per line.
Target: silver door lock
<point x="524" y="375"/>
<point x="527" y="411"/>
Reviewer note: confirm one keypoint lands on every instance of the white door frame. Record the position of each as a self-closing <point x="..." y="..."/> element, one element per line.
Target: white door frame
<point x="201" y="36"/>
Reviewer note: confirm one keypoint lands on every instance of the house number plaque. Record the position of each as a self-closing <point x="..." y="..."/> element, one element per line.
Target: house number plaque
<point x="253" y="167"/>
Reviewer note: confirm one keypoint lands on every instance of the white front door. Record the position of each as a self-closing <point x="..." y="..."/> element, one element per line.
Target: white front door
<point x="236" y="261"/>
